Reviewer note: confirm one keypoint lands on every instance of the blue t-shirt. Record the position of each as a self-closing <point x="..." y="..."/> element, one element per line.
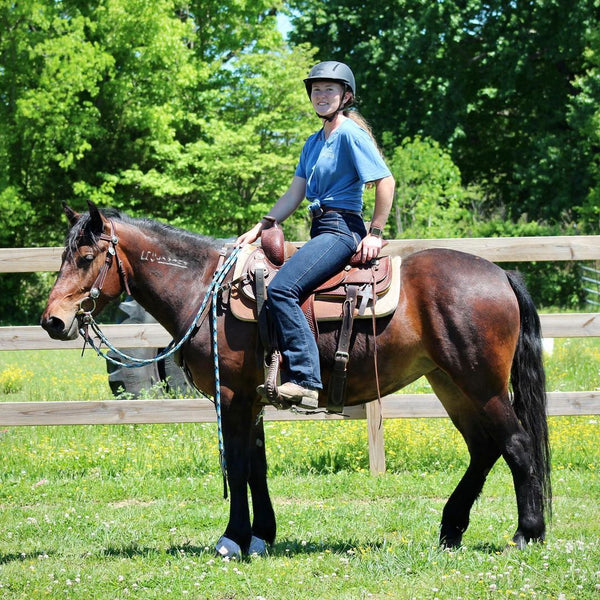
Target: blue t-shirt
<point x="337" y="169"/>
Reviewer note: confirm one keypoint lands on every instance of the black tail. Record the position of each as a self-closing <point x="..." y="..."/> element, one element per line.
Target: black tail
<point x="528" y="380"/>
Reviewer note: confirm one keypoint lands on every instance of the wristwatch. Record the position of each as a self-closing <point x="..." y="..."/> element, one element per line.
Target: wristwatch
<point x="376" y="231"/>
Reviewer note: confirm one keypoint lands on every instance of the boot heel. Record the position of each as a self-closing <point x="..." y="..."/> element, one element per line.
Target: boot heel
<point x="308" y="402"/>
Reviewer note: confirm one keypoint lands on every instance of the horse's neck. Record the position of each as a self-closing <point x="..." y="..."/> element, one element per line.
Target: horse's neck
<point x="168" y="277"/>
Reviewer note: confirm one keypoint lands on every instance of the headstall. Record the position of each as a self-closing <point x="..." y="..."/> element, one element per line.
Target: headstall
<point x="111" y="254"/>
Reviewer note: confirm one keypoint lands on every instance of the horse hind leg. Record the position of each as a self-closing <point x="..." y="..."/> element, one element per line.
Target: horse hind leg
<point x="491" y="428"/>
<point x="455" y="517"/>
<point x="483" y="451"/>
<point x="517" y="450"/>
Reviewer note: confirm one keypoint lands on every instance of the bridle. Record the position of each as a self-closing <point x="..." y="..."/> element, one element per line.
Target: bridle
<point x="111" y="254"/>
<point x="87" y="321"/>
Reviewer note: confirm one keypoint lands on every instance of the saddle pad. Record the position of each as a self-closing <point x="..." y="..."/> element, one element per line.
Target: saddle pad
<point x="326" y="308"/>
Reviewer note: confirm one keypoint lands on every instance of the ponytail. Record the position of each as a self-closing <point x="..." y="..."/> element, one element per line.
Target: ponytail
<point x="353" y="114"/>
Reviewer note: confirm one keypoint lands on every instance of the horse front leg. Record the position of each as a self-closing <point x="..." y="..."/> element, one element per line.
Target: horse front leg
<point x="264" y="525"/>
<point x="237" y="424"/>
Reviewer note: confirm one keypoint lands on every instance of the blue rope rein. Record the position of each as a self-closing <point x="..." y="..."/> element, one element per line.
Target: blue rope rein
<point x="132" y="362"/>
<point x="212" y="295"/>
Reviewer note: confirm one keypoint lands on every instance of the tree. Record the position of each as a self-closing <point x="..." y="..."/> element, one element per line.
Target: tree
<point x="192" y="113"/>
<point x="585" y="117"/>
<point x="430" y="200"/>
<point x="227" y="177"/>
<point x="492" y="81"/>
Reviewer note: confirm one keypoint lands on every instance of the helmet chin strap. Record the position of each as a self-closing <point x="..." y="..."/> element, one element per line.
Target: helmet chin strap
<point x="328" y="118"/>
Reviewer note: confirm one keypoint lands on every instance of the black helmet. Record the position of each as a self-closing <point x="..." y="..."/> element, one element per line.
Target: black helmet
<point x="331" y="70"/>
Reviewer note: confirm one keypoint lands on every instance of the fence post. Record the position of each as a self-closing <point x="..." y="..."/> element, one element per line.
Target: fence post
<point x="376" y="442"/>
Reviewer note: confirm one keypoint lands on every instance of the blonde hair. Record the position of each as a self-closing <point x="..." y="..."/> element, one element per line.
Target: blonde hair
<point x="353" y="114"/>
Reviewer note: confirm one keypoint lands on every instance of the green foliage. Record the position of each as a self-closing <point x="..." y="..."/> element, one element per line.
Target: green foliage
<point x="194" y="115"/>
<point x="585" y="116"/>
<point x="191" y="114"/>
<point x="493" y="82"/>
<point x="430" y="199"/>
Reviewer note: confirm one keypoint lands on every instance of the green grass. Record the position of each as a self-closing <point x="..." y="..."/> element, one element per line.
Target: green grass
<point x="133" y="511"/>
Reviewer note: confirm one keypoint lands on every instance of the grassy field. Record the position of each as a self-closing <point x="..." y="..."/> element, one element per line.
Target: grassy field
<point x="116" y="512"/>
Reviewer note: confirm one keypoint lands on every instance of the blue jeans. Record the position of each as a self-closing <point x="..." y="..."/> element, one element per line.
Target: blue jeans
<point x="334" y="239"/>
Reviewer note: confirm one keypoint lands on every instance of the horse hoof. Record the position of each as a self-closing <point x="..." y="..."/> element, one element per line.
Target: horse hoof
<point x="518" y="542"/>
<point x="257" y="547"/>
<point x="228" y="549"/>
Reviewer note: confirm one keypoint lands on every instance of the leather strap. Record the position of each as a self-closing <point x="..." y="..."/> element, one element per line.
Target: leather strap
<point x="337" y="383"/>
<point x="111" y="252"/>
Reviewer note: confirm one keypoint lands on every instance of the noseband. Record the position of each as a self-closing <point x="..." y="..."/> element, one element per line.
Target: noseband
<point x="111" y="254"/>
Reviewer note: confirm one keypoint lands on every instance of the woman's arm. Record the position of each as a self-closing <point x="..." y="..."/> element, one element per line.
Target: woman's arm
<point x="370" y="246"/>
<point x="281" y="210"/>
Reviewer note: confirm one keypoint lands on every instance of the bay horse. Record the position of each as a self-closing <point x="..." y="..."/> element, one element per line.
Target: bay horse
<point x="464" y="323"/>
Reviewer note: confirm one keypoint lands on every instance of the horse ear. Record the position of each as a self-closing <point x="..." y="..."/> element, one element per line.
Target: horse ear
<point x="72" y="216"/>
<point x="96" y="220"/>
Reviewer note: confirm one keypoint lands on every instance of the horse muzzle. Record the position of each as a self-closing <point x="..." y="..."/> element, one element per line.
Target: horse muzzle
<point x="57" y="328"/>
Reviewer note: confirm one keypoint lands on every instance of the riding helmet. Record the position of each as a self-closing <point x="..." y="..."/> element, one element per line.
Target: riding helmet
<point x="331" y="70"/>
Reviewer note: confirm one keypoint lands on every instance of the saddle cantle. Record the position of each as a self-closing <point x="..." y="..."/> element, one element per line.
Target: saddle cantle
<point x="381" y="280"/>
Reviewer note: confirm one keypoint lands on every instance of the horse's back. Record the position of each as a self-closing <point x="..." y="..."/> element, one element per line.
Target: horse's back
<point x="446" y="279"/>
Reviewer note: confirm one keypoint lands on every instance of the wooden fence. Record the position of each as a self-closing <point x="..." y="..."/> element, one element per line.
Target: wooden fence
<point x="565" y="248"/>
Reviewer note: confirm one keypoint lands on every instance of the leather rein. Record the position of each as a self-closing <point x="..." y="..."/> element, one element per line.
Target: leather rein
<point x="210" y="299"/>
<point x="87" y="321"/>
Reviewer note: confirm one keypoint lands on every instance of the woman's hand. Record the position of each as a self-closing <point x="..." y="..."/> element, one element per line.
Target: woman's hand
<point x="250" y="236"/>
<point x="369" y="247"/>
<point x="283" y="208"/>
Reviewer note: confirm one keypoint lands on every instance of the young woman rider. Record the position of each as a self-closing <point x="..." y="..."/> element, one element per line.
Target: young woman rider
<point x="335" y="165"/>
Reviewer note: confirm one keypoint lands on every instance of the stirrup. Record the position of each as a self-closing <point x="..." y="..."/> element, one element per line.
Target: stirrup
<point x="268" y="391"/>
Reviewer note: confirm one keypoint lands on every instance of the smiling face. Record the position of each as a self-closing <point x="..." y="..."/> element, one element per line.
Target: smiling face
<point x="328" y="97"/>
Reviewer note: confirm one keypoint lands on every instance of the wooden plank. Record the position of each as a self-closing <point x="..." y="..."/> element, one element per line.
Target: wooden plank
<point x="375" y="436"/>
<point x="115" y="412"/>
<point x="502" y="249"/>
<point x="146" y="335"/>
<point x="28" y="260"/>
<point x="400" y="406"/>
<point x="201" y="410"/>
<point x="153" y="335"/>
<point x="559" y="325"/>
<point x="507" y="249"/>
<point x="110" y="412"/>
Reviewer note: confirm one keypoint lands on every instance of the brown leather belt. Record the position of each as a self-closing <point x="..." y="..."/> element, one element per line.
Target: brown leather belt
<point x="319" y="212"/>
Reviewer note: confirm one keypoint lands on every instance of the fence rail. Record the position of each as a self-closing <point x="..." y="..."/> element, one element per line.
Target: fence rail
<point x="561" y="248"/>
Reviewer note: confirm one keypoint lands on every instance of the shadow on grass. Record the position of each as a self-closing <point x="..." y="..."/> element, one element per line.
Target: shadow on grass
<point x="291" y="547"/>
<point x="283" y="548"/>
<point x="133" y="551"/>
<point x="14" y="557"/>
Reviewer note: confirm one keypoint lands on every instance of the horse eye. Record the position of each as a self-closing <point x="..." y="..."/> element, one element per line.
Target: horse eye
<point x="85" y="258"/>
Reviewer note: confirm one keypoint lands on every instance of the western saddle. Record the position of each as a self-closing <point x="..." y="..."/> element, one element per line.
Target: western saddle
<point x="360" y="290"/>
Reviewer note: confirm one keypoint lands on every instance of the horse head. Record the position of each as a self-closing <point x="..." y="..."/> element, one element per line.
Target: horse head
<point x="85" y="282"/>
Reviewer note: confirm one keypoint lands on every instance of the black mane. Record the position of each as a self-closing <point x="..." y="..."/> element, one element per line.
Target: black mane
<point x="177" y="236"/>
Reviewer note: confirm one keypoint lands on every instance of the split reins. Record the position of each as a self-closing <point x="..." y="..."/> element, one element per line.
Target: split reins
<point x="210" y="299"/>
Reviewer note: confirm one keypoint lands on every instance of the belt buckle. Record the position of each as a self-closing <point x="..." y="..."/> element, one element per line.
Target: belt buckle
<point x="316" y="211"/>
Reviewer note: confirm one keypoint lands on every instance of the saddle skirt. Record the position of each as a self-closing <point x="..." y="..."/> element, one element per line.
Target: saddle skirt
<point x="380" y="279"/>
